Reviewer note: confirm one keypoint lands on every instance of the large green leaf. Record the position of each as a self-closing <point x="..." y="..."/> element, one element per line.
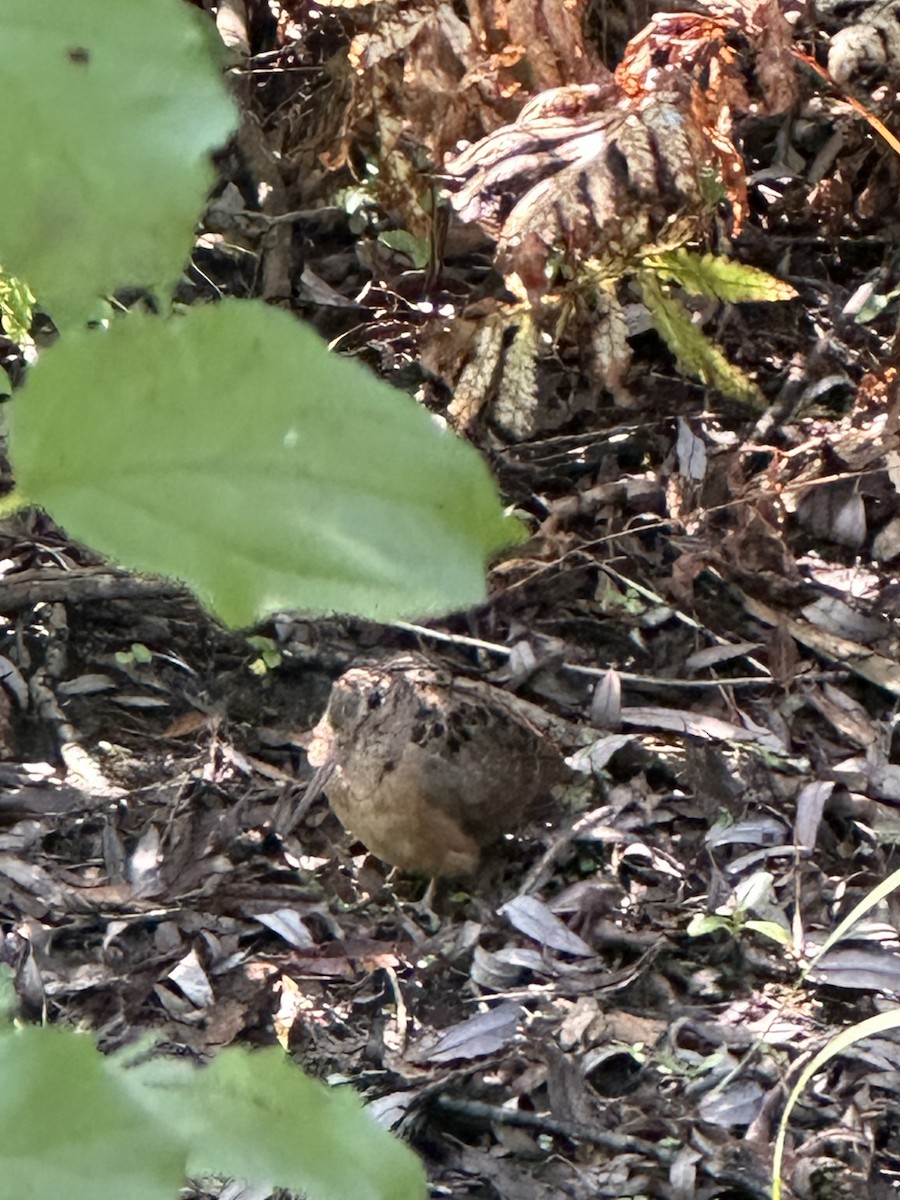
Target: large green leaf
<point x="257" y="1116"/>
<point x="70" y="1128"/>
<point x="110" y="110"/>
<point x="83" y="1126"/>
<point x="229" y="449"/>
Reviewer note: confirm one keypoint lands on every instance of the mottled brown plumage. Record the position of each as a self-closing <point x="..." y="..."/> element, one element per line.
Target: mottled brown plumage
<point x="426" y="769"/>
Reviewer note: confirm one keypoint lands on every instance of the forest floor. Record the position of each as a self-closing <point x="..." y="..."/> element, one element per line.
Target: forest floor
<point x="615" y="1004"/>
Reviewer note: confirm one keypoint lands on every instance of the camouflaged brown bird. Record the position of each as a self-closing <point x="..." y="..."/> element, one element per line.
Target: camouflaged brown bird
<point x="427" y="769"/>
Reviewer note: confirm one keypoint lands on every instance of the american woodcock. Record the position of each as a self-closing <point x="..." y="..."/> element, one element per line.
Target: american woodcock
<point x="427" y="769"/>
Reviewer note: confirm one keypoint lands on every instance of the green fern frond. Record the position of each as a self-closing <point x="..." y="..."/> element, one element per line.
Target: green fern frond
<point x="712" y="275"/>
<point x="695" y="353"/>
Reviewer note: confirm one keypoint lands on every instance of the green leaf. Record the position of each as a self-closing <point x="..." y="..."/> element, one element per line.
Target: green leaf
<point x="704" y="923"/>
<point x="16" y="307"/>
<point x="88" y="1127"/>
<point x="695" y="353"/>
<point x="722" y="278"/>
<point x="229" y="449"/>
<point x="257" y="1116"/>
<point x="136" y="653"/>
<point x="875" y="305"/>
<point x="269" y="658"/>
<point x="415" y="249"/>
<point x="109" y="113"/>
<point x="753" y="890"/>
<point x="70" y="1128"/>
<point x="769" y="929"/>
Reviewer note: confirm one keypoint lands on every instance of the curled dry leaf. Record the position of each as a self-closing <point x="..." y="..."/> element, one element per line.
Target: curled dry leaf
<point x="485" y="338"/>
<point x="612" y="169"/>
<point x="517" y="391"/>
<point x="482" y="58"/>
<point x="593" y="177"/>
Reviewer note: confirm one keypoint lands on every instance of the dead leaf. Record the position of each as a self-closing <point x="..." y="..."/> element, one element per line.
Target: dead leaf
<point x="533" y="918"/>
<point x="864" y="968"/>
<point x="192" y="981"/>
<point x="606" y="702"/>
<point x="835" y="512"/>
<point x="810" y="806"/>
<point x="231" y="22"/>
<point x="712" y="656"/>
<point x="690" y="453"/>
<point x="479" y="1036"/>
<point x="868" y="664"/>
<point x="737" y="1104"/>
